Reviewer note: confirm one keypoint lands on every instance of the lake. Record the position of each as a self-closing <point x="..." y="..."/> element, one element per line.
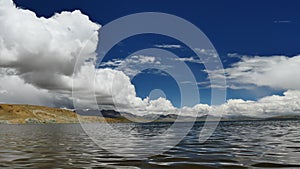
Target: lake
<point x="248" y="144"/>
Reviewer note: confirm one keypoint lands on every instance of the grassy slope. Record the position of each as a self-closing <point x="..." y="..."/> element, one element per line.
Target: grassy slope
<point x="22" y="114"/>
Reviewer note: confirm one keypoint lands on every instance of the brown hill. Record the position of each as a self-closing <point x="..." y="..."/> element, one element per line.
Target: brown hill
<point x="29" y="114"/>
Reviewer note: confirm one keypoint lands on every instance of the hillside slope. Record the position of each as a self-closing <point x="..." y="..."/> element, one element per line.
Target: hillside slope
<point x="29" y="114"/>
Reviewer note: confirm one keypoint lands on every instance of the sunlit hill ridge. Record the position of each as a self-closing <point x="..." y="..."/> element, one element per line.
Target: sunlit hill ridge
<point x="29" y="114"/>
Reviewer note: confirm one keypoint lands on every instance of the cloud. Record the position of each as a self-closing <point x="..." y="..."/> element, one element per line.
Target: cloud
<point x="39" y="53"/>
<point x="207" y="52"/>
<point x="43" y="51"/>
<point x="131" y="60"/>
<point x="3" y="91"/>
<point x="13" y="89"/>
<point x="234" y="55"/>
<point x="132" y="65"/>
<point x="268" y="106"/>
<point x="168" y="46"/>
<point x="277" y="72"/>
<point x="282" y="21"/>
<point x="190" y="59"/>
<point x="114" y="90"/>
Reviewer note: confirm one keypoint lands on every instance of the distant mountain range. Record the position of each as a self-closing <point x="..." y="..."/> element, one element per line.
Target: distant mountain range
<point x="29" y="114"/>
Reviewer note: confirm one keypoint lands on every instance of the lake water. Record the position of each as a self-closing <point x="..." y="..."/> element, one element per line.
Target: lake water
<point x="259" y="144"/>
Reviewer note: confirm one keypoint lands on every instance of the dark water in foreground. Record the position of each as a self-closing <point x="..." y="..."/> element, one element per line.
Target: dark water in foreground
<point x="263" y="144"/>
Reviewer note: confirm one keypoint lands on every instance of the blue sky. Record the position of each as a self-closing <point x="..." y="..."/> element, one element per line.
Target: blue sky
<point x="248" y="27"/>
<point x="263" y="28"/>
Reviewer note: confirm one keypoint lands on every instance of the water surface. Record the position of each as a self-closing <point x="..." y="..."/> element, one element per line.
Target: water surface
<point x="258" y="144"/>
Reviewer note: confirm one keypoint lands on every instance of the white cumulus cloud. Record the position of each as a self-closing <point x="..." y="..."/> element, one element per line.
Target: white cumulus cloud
<point x="43" y="51"/>
<point x="278" y="72"/>
<point x="268" y="106"/>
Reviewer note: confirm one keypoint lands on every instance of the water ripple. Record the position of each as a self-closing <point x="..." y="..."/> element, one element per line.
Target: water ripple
<point x="261" y="144"/>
